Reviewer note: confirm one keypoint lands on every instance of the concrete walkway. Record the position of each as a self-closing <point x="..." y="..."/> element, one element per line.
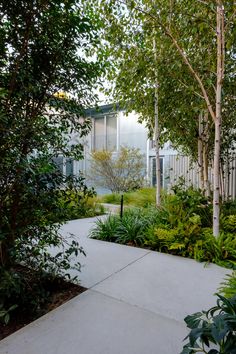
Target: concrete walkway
<point x="135" y="303"/>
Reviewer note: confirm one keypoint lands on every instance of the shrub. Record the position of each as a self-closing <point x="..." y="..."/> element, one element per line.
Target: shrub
<point x="23" y="285"/>
<point x="79" y="203"/>
<point x="213" y="331"/>
<point x="228" y="286"/>
<point x="179" y="240"/>
<point x="229" y="208"/>
<point x="113" y="198"/>
<point x="106" y="230"/>
<point x="119" y="172"/>
<point x="229" y="223"/>
<point x="194" y="202"/>
<point x="132" y="227"/>
<point x="220" y="250"/>
<point x="27" y="236"/>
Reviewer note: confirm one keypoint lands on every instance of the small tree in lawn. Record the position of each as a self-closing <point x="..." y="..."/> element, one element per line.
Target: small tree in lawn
<point x="120" y="171"/>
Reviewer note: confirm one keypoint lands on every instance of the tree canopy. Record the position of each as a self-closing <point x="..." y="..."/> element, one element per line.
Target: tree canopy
<point x="194" y="66"/>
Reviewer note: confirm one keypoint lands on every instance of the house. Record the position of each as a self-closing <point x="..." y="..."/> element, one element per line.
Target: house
<point x="113" y="128"/>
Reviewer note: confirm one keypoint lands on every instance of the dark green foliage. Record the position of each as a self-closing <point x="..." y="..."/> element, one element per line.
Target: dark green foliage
<point x="132" y="227"/>
<point x="35" y="232"/>
<point x="79" y="203"/>
<point x="229" y="223"/>
<point x="128" y="230"/>
<point x="40" y="46"/>
<point x="213" y="331"/>
<point x="106" y="230"/>
<point x="229" y="208"/>
<point x="193" y="202"/>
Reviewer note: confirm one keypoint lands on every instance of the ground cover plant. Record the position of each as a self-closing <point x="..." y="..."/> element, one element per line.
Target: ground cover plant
<point x="181" y="226"/>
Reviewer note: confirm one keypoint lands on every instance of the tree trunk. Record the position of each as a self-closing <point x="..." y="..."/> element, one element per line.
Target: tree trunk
<point x="216" y="173"/>
<point x="200" y="164"/>
<point x="157" y="132"/>
<point x="200" y="154"/>
<point x="222" y="182"/>
<point x="227" y="176"/>
<point x="205" y="171"/>
<point x="220" y="74"/>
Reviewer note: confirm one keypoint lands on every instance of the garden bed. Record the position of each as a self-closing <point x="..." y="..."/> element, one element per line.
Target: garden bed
<point x="58" y="291"/>
<point x="181" y="225"/>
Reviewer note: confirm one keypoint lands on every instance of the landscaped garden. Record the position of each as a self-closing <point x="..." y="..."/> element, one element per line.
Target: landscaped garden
<point x="171" y="62"/>
<point x="182" y="225"/>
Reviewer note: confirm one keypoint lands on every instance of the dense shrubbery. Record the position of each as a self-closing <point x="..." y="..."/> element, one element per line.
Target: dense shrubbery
<point x="181" y="226"/>
<point x="228" y="286"/>
<point x="77" y="203"/>
<point x="26" y="263"/>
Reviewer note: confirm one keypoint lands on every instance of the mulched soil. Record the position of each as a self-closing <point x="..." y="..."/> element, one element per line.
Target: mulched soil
<point x="60" y="292"/>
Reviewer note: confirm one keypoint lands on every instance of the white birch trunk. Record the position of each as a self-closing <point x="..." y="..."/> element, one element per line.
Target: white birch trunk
<point x="205" y="141"/>
<point x="227" y="174"/>
<point x="205" y="172"/>
<point x="157" y="132"/>
<point x="222" y="182"/>
<point x="216" y="173"/>
<point x="200" y="153"/>
<point x="220" y="74"/>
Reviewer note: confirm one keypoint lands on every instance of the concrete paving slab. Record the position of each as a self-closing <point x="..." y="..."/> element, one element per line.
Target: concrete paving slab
<point x="80" y="227"/>
<point x="102" y="258"/>
<point x="171" y="286"/>
<point x="93" y="323"/>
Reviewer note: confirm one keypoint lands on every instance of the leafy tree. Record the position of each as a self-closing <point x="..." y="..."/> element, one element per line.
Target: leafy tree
<point x="191" y="50"/>
<point x="120" y="171"/>
<point x="43" y="46"/>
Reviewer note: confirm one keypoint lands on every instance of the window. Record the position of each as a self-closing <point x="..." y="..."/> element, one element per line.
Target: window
<point x="111" y="122"/>
<point x="69" y="167"/>
<point x="105" y="132"/>
<point x="99" y="141"/>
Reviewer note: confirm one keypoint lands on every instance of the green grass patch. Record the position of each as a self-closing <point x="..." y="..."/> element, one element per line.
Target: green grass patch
<point x="140" y="198"/>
